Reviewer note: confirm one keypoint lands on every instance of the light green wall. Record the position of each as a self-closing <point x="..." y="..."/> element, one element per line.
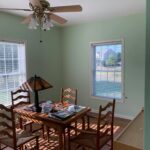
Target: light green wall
<point x="42" y="59"/>
<point x="76" y="59"/>
<point x="63" y="59"/>
<point x="147" y="81"/>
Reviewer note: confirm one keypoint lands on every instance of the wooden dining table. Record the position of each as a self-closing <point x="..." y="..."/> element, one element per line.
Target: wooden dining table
<point x="51" y="122"/>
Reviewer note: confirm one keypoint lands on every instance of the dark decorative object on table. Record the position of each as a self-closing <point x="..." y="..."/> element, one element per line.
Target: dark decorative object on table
<point x="36" y="84"/>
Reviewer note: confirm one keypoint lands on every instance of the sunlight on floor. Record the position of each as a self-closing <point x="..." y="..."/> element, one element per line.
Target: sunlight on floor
<point x="53" y="141"/>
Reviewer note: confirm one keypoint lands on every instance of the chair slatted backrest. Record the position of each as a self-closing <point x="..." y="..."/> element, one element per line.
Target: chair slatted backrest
<point x="20" y="97"/>
<point x="7" y="124"/>
<point x="69" y="94"/>
<point x="105" y="121"/>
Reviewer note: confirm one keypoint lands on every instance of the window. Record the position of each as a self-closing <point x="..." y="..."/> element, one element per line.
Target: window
<point x="107" y="70"/>
<point x="12" y="69"/>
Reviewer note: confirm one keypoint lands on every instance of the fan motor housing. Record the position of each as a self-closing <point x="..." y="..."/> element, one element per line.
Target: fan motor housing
<point x="44" y="3"/>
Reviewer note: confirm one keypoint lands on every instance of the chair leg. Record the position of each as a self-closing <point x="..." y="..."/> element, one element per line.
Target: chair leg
<point x="47" y="130"/>
<point x="20" y="148"/>
<point x="31" y="128"/>
<point x="25" y="127"/>
<point x="64" y="139"/>
<point x="78" y="146"/>
<point x="88" y="122"/>
<point x="112" y="146"/>
<point x="43" y="131"/>
<point x="112" y="143"/>
<point x="83" y="123"/>
<point x="69" y="147"/>
<point x="37" y="143"/>
<point x="20" y="123"/>
<point x="75" y="127"/>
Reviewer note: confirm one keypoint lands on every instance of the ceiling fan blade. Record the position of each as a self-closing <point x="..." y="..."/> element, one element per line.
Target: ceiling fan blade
<point x="27" y="20"/>
<point x="71" y="8"/>
<point x="15" y="9"/>
<point x="58" y="19"/>
<point x="36" y="3"/>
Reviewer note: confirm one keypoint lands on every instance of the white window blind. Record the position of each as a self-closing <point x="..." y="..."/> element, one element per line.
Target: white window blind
<point x="12" y="69"/>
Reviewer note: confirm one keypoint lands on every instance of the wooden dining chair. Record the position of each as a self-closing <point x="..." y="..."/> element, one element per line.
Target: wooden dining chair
<point x="68" y="95"/>
<point x="97" y="138"/>
<point x="22" y="97"/>
<point x="90" y="116"/>
<point x="9" y="135"/>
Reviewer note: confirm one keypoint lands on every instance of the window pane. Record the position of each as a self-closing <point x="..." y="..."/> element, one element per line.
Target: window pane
<point x="8" y="51"/>
<point x="15" y="51"/>
<point x="107" y="70"/>
<point x="8" y="66"/>
<point x="12" y="69"/>
<point x="10" y="82"/>
<point x="2" y="82"/>
<point x="2" y="66"/>
<point x="15" y="66"/>
<point x="1" y="51"/>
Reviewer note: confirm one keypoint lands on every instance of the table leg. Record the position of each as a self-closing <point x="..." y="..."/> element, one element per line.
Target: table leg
<point x="20" y="123"/>
<point x="64" y="139"/>
<point x="83" y="123"/>
<point x="61" y="140"/>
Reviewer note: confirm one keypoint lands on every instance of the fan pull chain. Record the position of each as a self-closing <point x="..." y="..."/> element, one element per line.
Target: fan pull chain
<point x="41" y="36"/>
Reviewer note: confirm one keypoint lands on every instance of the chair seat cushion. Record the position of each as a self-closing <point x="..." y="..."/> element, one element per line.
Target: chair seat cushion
<point x="36" y="127"/>
<point x="22" y="137"/>
<point x="89" y="140"/>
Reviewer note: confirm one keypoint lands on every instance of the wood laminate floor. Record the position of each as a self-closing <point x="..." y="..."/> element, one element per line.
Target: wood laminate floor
<point x="119" y="125"/>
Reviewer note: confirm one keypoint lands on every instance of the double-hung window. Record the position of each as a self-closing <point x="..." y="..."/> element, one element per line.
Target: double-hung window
<point x="12" y="68"/>
<point x="107" y="70"/>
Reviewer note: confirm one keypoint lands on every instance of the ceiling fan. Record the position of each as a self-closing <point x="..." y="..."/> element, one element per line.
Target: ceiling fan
<point x="42" y="12"/>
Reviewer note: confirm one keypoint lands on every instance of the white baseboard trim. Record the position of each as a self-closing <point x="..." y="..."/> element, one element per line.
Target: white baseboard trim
<point x="116" y="115"/>
<point x="124" y="116"/>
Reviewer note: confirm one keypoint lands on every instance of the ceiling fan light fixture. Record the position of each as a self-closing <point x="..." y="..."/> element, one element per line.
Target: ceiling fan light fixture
<point x="46" y="22"/>
<point x="33" y="22"/>
<point x="43" y="13"/>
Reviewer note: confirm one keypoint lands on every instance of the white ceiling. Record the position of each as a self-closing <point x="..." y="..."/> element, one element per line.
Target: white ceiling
<point x="92" y="9"/>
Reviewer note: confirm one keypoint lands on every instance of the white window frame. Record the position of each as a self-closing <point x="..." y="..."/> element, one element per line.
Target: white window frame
<point x="25" y="65"/>
<point x="92" y="45"/>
